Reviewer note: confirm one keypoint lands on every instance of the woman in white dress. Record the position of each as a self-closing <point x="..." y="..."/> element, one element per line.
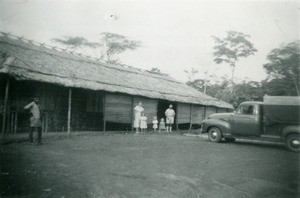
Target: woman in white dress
<point x="138" y="110"/>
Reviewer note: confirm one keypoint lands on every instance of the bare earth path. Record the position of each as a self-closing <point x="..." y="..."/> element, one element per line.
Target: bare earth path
<point x="147" y="166"/>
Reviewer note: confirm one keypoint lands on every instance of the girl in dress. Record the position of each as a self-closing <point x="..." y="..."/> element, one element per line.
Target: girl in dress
<point x="143" y="123"/>
<point x="155" y="123"/>
<point x="162" y="125"/>
<point x="137" y="116"/>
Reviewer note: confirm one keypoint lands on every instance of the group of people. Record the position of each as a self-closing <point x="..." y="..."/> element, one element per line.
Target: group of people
<point x="139" y="123"/>
<point x="140" y="120"/>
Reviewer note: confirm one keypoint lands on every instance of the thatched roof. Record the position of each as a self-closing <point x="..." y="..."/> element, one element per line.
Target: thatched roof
<point x="24" y="60"/>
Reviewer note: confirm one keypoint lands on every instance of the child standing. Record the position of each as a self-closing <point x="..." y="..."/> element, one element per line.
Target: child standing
<point x="143" y="125"/>
<point x="155" y="123"/>
<point x="162" y="125"/>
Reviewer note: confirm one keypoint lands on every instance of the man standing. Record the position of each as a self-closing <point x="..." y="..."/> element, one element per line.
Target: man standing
<point x="170" y="114"/>
<point x="35" y="120"/>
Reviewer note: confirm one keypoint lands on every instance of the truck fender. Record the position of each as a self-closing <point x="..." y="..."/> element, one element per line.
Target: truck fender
<point x="290" y="129"/>
<point x="221" y="124"/>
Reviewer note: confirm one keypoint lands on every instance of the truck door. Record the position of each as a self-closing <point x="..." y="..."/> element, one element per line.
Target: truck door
<point x="246" y="120"/>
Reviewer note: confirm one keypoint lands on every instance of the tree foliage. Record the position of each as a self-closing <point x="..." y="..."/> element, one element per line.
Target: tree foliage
<point x="75" y="42"/>
<point x="231" y="48"/>
<point x="283" y="68"/>
<point x="113" y="44"/>
<point x="283" y="79"/>
<point x="279" y="87"/>
<point x="155" y="70"/>
<point x="197" y="84"/>
<point x="109" y="46"/>
<point x="242" y="91"/>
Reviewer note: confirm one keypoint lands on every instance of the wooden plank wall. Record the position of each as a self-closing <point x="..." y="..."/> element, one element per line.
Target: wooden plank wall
<point x="197" y="114"/>
<point x="118" y="108"/>
<point x="47" y="95"/>
<point x="149" y="105"/>
<point x="184" y="113"/>
<point x="210" y="110"/>
<point x="94" y="102"/>
<point x="222" y="110"/>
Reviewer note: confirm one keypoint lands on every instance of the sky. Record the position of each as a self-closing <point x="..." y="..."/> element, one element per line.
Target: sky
<point x="176" y="35"/>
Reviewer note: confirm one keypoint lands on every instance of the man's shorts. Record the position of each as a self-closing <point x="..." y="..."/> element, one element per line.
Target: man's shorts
<point x="170" y="120"/>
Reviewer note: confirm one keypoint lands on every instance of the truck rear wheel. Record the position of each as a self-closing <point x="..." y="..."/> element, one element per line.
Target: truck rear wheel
<point x="292" y="142"/>
<point x="214" y="134"/>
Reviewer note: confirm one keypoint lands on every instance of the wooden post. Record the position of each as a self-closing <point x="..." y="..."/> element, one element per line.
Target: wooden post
<point x="69" y="110"/>
<point x="177" y="117"/>
<point x="5" y="107"/>
<point x="132" y="112"/>
<point x="204" y="112"/>
<point x="16" y="122"/>
<point x="191" y="116"/>
<point x="46" y="125"/>
<point x="12" y="120"/>
<point x="104" y="113"/>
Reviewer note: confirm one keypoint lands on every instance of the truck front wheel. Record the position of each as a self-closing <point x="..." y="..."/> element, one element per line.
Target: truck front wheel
<point x="292" y="142"/>
<point x="214" y="134"/>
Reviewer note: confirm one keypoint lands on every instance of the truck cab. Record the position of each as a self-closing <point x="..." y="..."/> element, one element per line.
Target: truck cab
<point x="248" y="119"/>
<point x="271" y="121"/>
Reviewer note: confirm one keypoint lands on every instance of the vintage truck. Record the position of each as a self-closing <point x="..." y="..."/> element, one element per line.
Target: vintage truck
<point x="274" y="119"/>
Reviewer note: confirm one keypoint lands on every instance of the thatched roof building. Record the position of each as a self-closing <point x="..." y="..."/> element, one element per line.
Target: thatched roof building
<point x="101" y="91"/>
<point x="28" y="61"/>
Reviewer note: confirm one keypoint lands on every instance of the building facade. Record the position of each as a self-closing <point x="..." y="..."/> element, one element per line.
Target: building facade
<point x="79" y="93"/>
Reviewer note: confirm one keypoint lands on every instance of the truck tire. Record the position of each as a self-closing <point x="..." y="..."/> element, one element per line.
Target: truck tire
<point x="229" y="140"/>
<point x="214" y="134"/>
<point x="292" y="142"/>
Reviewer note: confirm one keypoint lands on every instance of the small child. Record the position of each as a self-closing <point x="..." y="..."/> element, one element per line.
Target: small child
<point x="162" y="125"/>
<point x="143" y="125"/>
<point x="155" y="123"/>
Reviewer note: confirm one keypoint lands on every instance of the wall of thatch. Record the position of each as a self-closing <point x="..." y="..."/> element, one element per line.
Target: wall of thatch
<point x="198" y="114"/>
<point x="118" y="108"/>
<point x="183" y="113"/>
<point x="88" y="108"/>
<point x="222" y="110"/>
<point x="52" y="104"/>
<point x="210" y="110"/>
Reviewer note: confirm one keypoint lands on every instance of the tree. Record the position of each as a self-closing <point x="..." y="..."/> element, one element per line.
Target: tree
<point x="155" y="70"/>
<point x="113" y="44"/>
<point x="241" y="91"/>
<point x="192" y="74"/>
<point x="283" y="68"/>
<point x="200" y="80"/>
<point x="197" y="84"/>
<point x="110" y="45"/>
<point x="279" y="87"/>
<point x="75" y="42"/>
<point x="231" y="48"/>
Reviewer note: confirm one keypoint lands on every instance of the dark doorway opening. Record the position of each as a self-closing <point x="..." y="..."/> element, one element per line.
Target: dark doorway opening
<point x="162" y="106"/>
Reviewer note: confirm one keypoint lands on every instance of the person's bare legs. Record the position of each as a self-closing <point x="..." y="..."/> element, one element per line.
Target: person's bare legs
<point x="39" y="129"/>
<point x="31" y="134"/>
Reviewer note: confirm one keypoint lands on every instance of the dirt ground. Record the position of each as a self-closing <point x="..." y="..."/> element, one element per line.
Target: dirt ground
<point x="147" y="166"/>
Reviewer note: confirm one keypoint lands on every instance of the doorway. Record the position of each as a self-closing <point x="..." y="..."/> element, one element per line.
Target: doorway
<point x="162" y="106"/>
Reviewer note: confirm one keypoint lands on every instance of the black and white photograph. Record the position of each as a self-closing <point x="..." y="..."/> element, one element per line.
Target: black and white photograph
<point x="149" y="98"/>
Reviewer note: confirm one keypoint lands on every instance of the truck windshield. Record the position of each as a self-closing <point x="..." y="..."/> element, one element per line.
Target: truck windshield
<point x="246" y="109"/>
